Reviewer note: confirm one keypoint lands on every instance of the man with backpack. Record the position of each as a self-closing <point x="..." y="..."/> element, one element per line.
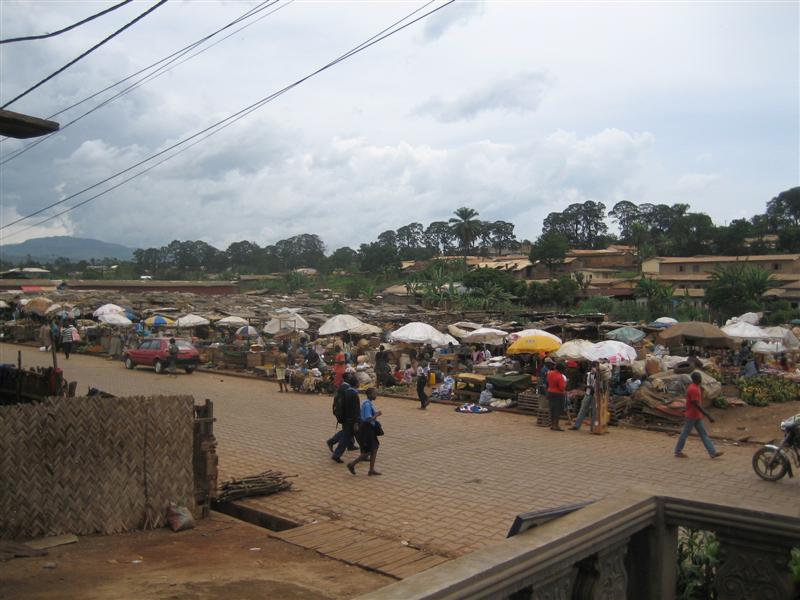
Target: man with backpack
<point x="347" y="410"/>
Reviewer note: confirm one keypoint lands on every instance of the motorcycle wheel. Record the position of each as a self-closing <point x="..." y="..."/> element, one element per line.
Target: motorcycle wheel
<point x="770" y="464"/>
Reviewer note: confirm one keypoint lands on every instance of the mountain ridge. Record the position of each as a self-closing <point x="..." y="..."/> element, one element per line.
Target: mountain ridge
<point x="64" y="246"/>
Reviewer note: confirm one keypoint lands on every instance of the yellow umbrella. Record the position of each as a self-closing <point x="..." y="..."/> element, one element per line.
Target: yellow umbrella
<point x="533" y="344"/>
<point x="158" y="321"/>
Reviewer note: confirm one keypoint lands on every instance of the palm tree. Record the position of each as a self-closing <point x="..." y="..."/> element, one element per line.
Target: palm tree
<point x="465" y="227"/>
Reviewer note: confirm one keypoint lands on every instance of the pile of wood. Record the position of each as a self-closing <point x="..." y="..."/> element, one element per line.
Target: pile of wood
<point x="264" y="484"/>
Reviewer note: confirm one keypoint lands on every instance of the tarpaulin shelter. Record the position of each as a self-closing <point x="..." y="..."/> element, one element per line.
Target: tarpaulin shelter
<point x="610" y="350"/>
<point x="696" y="333"/>
<point x="573" y="349"/>
<point x="107" y="309"/>
<point x="339" y="324"/>
<point x="629" y="335"/>
<point x="742" y="330"/>
<point x="422" y="333"/>
<point x="485" y="335"/>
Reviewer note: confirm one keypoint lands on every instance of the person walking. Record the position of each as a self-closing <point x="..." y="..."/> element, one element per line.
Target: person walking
<point x="172" y="350"/>
<point x="368" y="431"/>
<point x="694" y="413"/>
<point x="556" y="390"/>
<point x="347" y="410"/>
<point x="68" y="335"/>
<point x="422" y="381"/>
<point x="587" y="404"/>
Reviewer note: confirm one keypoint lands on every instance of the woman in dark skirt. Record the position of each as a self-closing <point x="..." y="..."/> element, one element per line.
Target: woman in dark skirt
<point x="556" y="389"/>
<point x="367" y="436"/>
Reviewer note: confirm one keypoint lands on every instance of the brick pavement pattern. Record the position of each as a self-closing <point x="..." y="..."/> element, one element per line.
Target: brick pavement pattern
<point x="451" y="482"/>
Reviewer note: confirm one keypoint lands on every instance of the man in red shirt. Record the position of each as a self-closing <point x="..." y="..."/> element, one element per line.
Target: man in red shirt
<point x="556" y="393"/>
<point x="694" y="413"/>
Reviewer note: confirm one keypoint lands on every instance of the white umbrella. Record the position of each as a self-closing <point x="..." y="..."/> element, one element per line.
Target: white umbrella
<point x="763" y="347"/>
<point x="287" y="322"/>
<point x="108" y="309"/>
<point x="366" y="329"/>
<point x="611" y="351"/>
<point x="115" y="319"/>
<point x="743" y="330"/>
<point x="3" y="304"/>
<point x="191" y="321"/>
<point x="232" y="322"/>
<point x="783" y="335"/>
<point x="485" y="335"/>
<point x="573" y="349"/>
<point x="339" y="324"/>
<point x="513" y="337"/>
<point x="422" y="333"/>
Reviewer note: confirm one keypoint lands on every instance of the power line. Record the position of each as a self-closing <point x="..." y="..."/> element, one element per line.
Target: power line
<point x="224" y="123"/>
<point x="89" y="51"/>
<point x="164" y="68"/>
<point x="73" y="26"/>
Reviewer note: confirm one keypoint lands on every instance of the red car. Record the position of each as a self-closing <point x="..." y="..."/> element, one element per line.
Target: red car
<point x="154" y="353"/>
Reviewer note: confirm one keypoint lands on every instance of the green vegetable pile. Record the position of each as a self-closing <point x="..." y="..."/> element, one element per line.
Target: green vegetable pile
<point x="763" y="389"/>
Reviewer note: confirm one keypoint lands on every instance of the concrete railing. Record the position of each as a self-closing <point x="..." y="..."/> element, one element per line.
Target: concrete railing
<point x="622" y="547"/>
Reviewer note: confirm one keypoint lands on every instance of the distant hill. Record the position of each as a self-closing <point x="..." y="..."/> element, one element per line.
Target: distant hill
<point x="47" y="249"/>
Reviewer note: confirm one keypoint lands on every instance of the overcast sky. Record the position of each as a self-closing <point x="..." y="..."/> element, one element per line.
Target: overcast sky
<point x="515" y="109"/>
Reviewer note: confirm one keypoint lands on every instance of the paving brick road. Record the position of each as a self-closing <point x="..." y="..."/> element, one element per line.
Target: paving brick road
<point x="451" y="482"/>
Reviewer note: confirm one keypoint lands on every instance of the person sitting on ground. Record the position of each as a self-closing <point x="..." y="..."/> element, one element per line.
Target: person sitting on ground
<point x="486" y="395"/>
<point x="408" y="375"/>
<point x="399" y="373"/>
<point x="445" y="390"/>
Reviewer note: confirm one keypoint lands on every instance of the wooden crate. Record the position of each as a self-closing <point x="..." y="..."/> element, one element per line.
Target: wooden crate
<point x="254" y="359"/>
<point x="529" y="400"/>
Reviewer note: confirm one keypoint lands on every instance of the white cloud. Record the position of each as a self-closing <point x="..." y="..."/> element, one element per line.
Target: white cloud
<point x="696" y="182"/>
<point x="521" y="93"/>
<point x="458" y="13"/>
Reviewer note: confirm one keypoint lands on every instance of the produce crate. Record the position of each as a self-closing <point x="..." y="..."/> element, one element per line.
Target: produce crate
<point x="254" y="359"/>
<point x="528" y="400"/>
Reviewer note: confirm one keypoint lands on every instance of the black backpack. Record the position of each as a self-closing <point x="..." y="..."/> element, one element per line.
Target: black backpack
<point x="338" y="405"/>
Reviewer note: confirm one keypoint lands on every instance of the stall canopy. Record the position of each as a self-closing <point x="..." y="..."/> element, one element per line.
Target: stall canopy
<point x="533" y="344"/>
<point x="783" y="335"/>
<point x="108" y="309"/>
<point x="158" y="321"/>
<point x="191" y="321"/>
<point x="485" y="335"/>
<point x="340" y="324"/>
<point x="573" y="349"/>
<point x="611" y="351"/>
<point x="116" y="319"/>
<point x="696" y="333"/>
<point x="750" y="318"/>
<point x="422" y="333"/>
<point x="664" y="322"/>
<point x="366" y="329"/>
<point x="462" y="328"/>
<point x="762" y="347"/>
<point x="742" y="330"/>
<point x="232" y="322"/>
<point x="38" y="306"/>
<point x="629" y="335"/>
<point x="286" y="321"/>
<point x="247" y="331"/>
<point x="513" y="337"/>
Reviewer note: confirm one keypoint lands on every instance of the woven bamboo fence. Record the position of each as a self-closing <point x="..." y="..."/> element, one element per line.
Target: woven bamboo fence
<point x="94" y="465"/>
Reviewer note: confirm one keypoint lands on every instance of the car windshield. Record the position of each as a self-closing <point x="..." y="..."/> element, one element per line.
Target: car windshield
<point x="183" y="345"/>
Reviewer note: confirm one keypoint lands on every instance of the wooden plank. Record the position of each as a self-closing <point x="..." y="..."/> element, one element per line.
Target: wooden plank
<point x="394" y="556"/>
<point x="304" y="530"/>
<point x="418" y="566"/>
<point x="335" y="538"/>
<point x="353" y="553"/>
<point x="344" y="542"/>
<point x="52" y="541"/>
<point x="321" y="537"/>
<point x="393" y="566"/>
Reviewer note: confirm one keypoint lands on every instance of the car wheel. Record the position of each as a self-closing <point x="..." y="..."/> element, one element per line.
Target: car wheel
<point x="189" y="370"/>
<point x="159" y="366"/>
<point x="129" y="364"/>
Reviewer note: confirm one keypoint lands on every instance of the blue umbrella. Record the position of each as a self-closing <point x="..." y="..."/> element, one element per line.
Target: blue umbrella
<point x="629" y="335"/>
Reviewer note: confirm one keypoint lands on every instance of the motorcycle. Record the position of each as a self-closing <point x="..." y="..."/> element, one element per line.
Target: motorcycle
<point x="771" y="462"/>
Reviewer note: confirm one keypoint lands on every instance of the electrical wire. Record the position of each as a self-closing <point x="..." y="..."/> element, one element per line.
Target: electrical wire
<point x="65" y="29"/>
<point x="393" y="29"/>
<point x="89" y="51"/>
<point x="161" y="70"/>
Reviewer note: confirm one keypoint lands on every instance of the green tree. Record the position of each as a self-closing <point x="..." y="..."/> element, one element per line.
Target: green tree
<point x="625" y="214"/>
<point x="377" y="258"/>
<point x="729" y="240"/>
<point x="737" y="288"/>
<point x="583" y="225"/>
<point x="466" y="228"/>
<point x="343" y="258"/>
<point x="784" y="209"/>
<point x="503" y="237"/>
<point x="439" y="236"/>
<point x="550" y="249"/>
<point x="659" y="295"/>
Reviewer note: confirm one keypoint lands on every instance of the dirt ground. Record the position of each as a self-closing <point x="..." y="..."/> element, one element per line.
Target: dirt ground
<point x="752" y="423"/>
<point x="221" y="558"/>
